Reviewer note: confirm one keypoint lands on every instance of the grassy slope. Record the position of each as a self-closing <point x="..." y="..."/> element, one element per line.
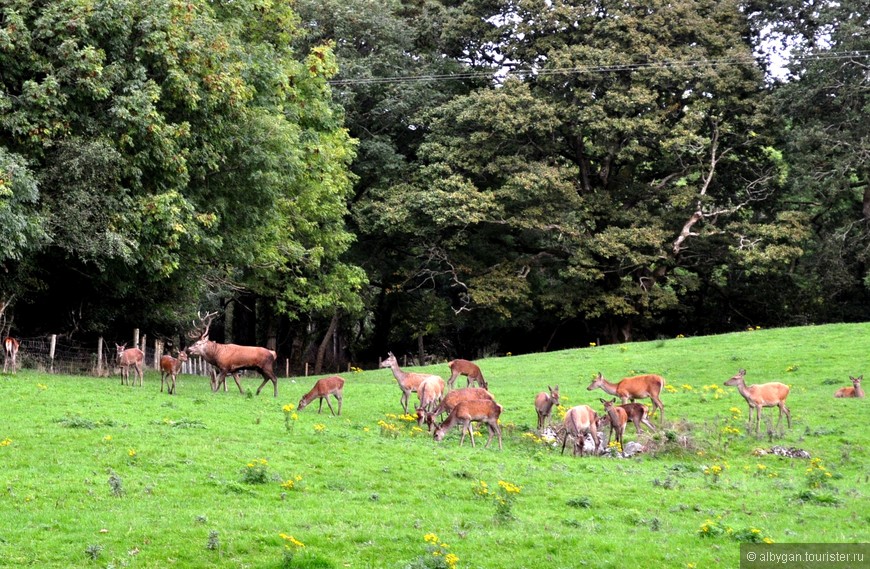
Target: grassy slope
<point x="367" y="500"/>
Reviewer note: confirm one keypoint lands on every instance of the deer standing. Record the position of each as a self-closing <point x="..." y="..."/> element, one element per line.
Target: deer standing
<point x="637" y="413"/>
<point x="10" y="346"/>
<point x="449" y="402"/>
<point x="322" y="389"/>
<point x="631" y="388"/>
<point x="230" y="358"/>
<point x="854" y="391"/>
<point x="618" y="418"/>
<point x="127" y="358"/>
<point x="544" y="403"/>
<point x="466" y="412"/>
<point x="762" y="395"/>
<point x="430" y="393"/>
<point x="409" y="382"/>
<point x="579" y="421"/>
<point x="169" y="368"/>
<point x="468" y="369"/>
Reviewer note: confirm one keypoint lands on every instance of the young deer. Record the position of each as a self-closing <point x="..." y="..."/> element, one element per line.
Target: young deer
<point x="480" y="410"/>
<point x="579" y="421"/>
<point x="468" y="369"/>
<point x="637" y="387"/>
<point x="430" y="392"/>
<point x="169" y="368"/>
<point x="618" y="418"/>
<point x="762" y="395"/>
<point x="408" y="382"/>
<point x="638" y="413"/>
<point x="130" y="357"/>
<point x="449" y="402"/>
<point x="325" y="387"/>
<point x="10" y="346"/>
<point x="854" y="391"/>
<point x="544" y="403"/>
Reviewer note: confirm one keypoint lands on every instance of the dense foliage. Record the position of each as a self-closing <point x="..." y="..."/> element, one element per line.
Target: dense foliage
<point x="504" y="175"/>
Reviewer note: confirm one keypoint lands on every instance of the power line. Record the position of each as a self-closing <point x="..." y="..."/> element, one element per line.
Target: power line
<point x="588" y="69"/>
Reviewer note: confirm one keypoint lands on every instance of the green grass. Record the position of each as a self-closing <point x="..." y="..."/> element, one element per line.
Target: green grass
<point x="178" y="467"/>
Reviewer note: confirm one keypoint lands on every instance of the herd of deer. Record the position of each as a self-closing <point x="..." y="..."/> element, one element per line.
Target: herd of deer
<point x="463" y="406"/>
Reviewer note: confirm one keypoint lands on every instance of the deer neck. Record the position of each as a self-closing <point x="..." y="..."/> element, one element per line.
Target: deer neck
<point x="744" y="390"/>
<point x="609" y="388"/>
<point x="858" y="391"/>
<point x="398" y="373"/>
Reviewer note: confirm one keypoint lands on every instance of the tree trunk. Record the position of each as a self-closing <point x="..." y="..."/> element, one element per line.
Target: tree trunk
<point x="324" y="344"/>
<point x="421" y="350"/>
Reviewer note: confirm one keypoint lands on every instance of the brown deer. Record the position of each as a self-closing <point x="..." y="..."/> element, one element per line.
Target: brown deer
<point x="762" y="395"/>
<point x="322" y="389"/>
<point x="638" y="413"/>
<point x="449" y="402"/>
<point x="631" y="388"/>
<point x="169" y="369"/>
<point x="409" y="382"/>
<point x="618" y="418"/>
<point x="466" y="412"/>
<point x="469" y="369"/>
<point x="10" y="346"/>
<point x="579" y="421"/>
<point x="430" y="393"/>
<point x="127" y="358"/>
<point x="854" y="391"/>
<point x="230" y="358"/>
<point x="544" y="403"/>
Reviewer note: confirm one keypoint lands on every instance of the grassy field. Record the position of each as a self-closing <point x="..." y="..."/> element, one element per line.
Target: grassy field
<point x="95" y="474"/>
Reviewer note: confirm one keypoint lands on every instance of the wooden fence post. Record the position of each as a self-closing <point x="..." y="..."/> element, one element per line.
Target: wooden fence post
<point x="100" y="357"/>
<point x="51" y="351"/>
<point x="135" y="337"/>
<point x="158" y="351"/>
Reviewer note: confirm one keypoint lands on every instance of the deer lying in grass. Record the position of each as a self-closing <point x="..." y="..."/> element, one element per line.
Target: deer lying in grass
<point x="449" y="402"/>
<point x="10" y="347"/>
<point x="322" y="389"/>
<point x="409" y="382"/>
<point x="230" y="358"/>
<point x="169" y="368"/>
<point x="468" y="369"/>
<point x="544" y="403"/>
<point x="430" y="393"/>
<point x="762" y="395"/>
<point x="854" y="391"/>
<point x="127" y="358"/>
<point x="579" y="421"/>
<point x="475" y="410"/>
<point x="631" y="388"/>
<point x="617" y="418"/>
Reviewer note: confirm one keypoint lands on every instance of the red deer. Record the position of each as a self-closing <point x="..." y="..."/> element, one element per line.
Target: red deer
<point x="579" y="421"/>
<point x="466" y="412"/>
<point x="230" y="358"/>
<point x="544" y="403"/>
<point x="637" y="387"/>
<point x="450" y="401"/>
<point x="169" y="368"/>
<point x="762" y="395"/>
<point x="469" y="370"/>
<point x="617" y="418"/>
<point x="637" y="413"/>
<point x="322" y="389"/>
<point x="430" y="392"/>
<point x="130" y="357"/>
<point x="10" y="345"/>
<point x="854" y="391"/>
<point x="409" y="382"/>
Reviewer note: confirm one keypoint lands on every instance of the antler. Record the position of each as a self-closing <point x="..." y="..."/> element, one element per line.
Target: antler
<point x="200" y="330"/>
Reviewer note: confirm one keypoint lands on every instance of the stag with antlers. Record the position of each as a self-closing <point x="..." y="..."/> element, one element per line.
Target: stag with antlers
<point x="230" y="358"/>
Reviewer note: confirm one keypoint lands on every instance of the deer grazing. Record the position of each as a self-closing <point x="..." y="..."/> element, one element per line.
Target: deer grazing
<point x="854" y="391"/>
<point x="430" y="393"/>
<point x="10" y="346"/>
<point x="322" y="389"/>
<point x="579" y="421"/>
<point x="762" y="395"/>
<point x="230" y="358"/>
<point x="409" y="382"/>
<point x="449" y="402"/>
<point x="466" y="412"/>
<point x="469" y="369"/>
<point x="617" y="417"/>
<point x="544" y="403"/>
<point x="169" y="369"/>
<point x="631" y="388"/>
<point x="127" y="358"/>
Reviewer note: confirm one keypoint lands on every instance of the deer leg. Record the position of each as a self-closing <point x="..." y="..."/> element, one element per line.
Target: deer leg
<point x="453" y="377"/>
<point x="787" y="413"/>
<point x="338" y="398"/>
<point x="470" y="433"/>
<point x="329" y="405"/>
